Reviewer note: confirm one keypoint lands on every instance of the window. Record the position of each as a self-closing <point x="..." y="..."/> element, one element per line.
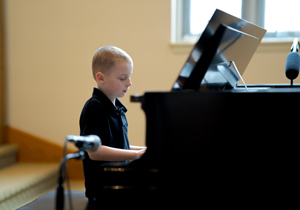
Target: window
<point x="278" y="17"/>
<point x="281" y="18"/>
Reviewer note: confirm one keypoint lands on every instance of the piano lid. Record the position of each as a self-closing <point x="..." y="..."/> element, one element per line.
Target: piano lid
<point x="225" y="38"/>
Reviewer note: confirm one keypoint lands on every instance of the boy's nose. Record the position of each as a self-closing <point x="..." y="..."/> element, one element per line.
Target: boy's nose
<point x="129" y="83"/>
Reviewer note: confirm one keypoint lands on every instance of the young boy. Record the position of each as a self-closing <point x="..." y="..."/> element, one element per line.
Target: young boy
<point x="104" y="115"/>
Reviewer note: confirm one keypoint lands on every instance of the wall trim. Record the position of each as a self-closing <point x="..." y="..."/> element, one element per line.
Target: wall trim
<point x="35" y="149"/>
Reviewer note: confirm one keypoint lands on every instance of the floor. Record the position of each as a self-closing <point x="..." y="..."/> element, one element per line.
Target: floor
<point x="76" y="185"/>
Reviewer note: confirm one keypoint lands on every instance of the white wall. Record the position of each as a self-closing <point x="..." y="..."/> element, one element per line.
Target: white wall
<point x="50" y="45"/>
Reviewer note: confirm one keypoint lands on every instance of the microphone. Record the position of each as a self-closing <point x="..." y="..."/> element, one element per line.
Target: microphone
<point x="293" y="62"/>
<point x="89" y="143"/>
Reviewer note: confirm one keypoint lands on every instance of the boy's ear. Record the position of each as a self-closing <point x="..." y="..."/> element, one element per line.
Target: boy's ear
<point x="100" y="77"/>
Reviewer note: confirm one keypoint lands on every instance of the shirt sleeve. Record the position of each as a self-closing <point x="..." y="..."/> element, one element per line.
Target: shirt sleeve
<point x="93" y="121"/>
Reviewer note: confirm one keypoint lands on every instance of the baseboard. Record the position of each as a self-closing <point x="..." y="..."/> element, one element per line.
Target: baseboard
<point x="35" y="149"/>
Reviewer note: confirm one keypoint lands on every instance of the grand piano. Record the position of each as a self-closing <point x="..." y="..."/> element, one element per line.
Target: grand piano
<point x="210" y="140"/>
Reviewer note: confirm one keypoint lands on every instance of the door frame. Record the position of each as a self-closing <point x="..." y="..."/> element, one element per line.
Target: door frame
<point x="2" y="73"/>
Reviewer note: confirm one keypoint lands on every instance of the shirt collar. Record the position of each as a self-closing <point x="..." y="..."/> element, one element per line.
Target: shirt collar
<point x="107" y="102"/>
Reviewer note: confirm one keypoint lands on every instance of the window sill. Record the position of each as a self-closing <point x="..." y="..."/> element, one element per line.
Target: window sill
<point x="267" y="45"/>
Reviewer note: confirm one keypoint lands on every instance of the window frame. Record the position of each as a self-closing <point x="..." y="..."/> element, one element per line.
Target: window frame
<point x="252" y="11"/>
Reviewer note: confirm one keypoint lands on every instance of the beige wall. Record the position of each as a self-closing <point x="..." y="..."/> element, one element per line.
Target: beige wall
<point x="50" y="46"/>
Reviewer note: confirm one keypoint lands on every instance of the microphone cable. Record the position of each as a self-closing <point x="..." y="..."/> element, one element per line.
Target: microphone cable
<point x="67" y="177"/>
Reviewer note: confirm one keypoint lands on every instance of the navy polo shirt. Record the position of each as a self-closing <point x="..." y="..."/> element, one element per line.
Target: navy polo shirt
<point x="100" y="117"/>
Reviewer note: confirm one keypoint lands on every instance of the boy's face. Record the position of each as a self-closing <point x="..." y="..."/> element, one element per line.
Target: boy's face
<point x="117" y="81"/>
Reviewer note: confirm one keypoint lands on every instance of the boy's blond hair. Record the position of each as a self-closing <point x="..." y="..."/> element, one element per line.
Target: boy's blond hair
<point x="106" y="57"/>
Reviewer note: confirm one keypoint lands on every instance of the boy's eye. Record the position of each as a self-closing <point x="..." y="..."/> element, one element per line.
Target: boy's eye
<point x="122" y="79"/>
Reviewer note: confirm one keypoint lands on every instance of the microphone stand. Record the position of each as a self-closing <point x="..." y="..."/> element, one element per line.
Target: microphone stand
<point x="60" y="187"/>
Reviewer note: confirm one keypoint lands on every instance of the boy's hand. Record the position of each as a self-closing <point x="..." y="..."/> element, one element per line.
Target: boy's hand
<point x="140" y="152"/>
